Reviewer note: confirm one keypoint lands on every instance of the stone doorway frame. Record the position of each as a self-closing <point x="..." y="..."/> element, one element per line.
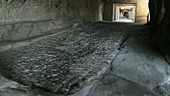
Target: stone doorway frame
<point x="116" y="6"/>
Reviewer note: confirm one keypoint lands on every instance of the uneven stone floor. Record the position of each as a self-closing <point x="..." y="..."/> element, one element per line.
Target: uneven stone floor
<point x="93" y="59"/>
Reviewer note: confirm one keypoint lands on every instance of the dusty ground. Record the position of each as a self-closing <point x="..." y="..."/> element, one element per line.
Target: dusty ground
<point x="93" y="59"/>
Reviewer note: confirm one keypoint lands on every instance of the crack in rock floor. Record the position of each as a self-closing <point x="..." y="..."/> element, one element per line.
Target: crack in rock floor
<point x="80" y="63"/>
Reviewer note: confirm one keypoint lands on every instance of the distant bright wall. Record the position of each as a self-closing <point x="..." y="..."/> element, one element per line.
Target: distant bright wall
<point x="141" y="9"/>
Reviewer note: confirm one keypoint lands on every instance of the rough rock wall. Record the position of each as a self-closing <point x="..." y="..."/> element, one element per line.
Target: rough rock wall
<point x="108" y="11"/>
<point x="163" y="31"/>
<point x="164" y="34"/>
<point x="21" y="19"/>
<point x="160" y="25"/>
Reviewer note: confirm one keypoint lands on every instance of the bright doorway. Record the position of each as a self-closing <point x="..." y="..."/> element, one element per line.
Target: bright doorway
<point x="124" y="12"/>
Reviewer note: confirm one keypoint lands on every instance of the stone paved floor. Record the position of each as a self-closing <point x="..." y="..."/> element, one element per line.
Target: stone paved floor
<point x="81" y="58"/>
<point x="112" y="85"/>
<point x="62" y="63"/>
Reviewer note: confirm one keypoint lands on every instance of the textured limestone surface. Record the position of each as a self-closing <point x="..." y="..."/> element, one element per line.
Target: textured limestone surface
<point x="20" y="31"/>
<point x="141" y="61"/>
<point x="8" y="45"/>
<point x="20" y="19"/>
<point x="12" y="88"/>
<point x="163" y="90"/>
<point x="13" y="11"/>
<point x="112" y="85"/>
<point x="67" y="62"/>
<point x="61" y="63"/>
<point x="163" y="29"/>
<point x="107" y="85"/>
